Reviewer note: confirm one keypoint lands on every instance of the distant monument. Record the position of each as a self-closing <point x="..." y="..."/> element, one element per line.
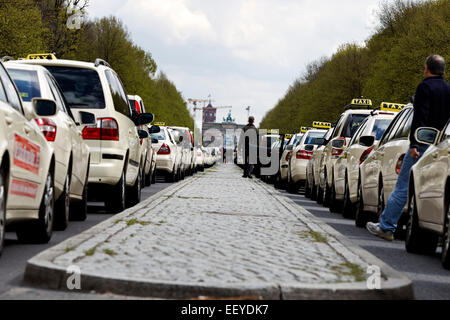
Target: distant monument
<point x="227" y="140"/>
<point x="209" y="114"/>
<point x="229" y="119"/>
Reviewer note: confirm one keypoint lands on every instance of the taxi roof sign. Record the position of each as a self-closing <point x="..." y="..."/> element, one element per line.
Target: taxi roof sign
<point x="273" y="131"/>
<point x="362" y="102"/>
<point x="303" y="129"/>
<point x="321" y="125"/>
<point x="390" y="106"/>
<point x="42" y="56"/>
<point x="159" y="124"/>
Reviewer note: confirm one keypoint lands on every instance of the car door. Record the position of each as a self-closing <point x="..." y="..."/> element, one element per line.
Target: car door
<point x="431" y="180"/>
<point x="25" y="141"/>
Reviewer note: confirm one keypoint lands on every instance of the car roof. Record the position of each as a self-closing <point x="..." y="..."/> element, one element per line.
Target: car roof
<point x="21" y="66"/>
<point x="63" y="63"/>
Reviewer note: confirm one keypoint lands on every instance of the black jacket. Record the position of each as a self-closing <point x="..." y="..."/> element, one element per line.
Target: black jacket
<point x="244" y="143"/>
<point x="431" y="106"/>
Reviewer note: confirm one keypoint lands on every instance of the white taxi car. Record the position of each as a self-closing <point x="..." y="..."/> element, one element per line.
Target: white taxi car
<point x="363" y="142"/>
<point x="429" y="196"/>
<point x="344" y="130"/>
<point x="379" y="172"/>
<point x="281" y="178"/>
<point x="115" y="170"/>
<point x="187" y="150"/>
<point x="168" y="155"/>
<point x="27" y="167"/>
<point x="148" y="156"/>
<point x="301" y="154"/>
<point x="71" y="153"/>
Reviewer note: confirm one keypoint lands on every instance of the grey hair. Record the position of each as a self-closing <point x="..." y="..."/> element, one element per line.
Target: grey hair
<point x="436" y="64"/>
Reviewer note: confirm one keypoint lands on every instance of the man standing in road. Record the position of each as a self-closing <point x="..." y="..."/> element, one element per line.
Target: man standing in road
<point x="431" y="109"/>
<point x="249" y="146"/>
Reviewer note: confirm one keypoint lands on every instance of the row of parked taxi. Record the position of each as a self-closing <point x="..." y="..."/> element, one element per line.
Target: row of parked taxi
<point x="69" y="133"/>
<point x="352" y="167"/>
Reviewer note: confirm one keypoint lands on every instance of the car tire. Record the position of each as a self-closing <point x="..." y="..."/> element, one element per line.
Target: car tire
<point x="3" y="195"/>
<point x="445" y="257"/>
<point x="348" y="210"/>
<point x="314" y="191"/>
<point x="381" y="201"/>
<point x="291" y="187"/>
<point x="319" y="198"/>
<point x="361" y="216"/>
<point x="307" y="189"/>
<point x="40" y="231"/>
<point x="78" y="211"/>
<point x="134" y="192"/>
<point x="153" y="176"/>
<point x="116" y="202"/>
<point x="326" y="195"/>
<point x="335" y="204"/>
<point x="417" y="239"/>
<point x="62" y="207"/>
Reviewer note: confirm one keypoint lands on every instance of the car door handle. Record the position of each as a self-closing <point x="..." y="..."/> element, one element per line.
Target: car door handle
<point x="9" y="120"/>
<point x="26" y="129"/>
<point x="435" y="155"/>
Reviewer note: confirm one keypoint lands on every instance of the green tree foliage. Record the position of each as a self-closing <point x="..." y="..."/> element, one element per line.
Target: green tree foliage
<point x="32" y="26"/>
<point x="388" y="68"/>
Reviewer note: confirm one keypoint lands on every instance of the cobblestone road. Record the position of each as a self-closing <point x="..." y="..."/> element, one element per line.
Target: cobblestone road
<point x="218" y="229"/>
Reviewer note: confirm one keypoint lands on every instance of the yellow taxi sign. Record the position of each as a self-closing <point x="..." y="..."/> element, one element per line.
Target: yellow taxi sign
<point x="321" y="125"/>
<point x="273" y="131"/>
<point x="41" y="56"/>
<point x="303" y="129"/>
<point x="389" y="106"/>
<point x="362" y="102"/>
<point x="288" y="136"/>
<point x="159" y="124"/>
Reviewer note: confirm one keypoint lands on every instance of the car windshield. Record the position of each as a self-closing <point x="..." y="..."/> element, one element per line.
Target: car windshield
<point x="81" y="87"/>
<point x="380" y="127"/>
<point x="160" y="135"/>
<point x="27" y="82"/>
<point x="310" y="139"/>
<point x="352" y="124"/>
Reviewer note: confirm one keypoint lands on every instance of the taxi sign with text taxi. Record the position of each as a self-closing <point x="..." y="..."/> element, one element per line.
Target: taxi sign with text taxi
<point x="321" y="125"/>
<point x="288" y="136"/>
<point x="273" y="131"/>
<point x="390" y="106"/>
<point x="362" y="102"/>
<point x="303" y="129"/>
<point x="41" y="56"/>
<point x="160" y="124"/>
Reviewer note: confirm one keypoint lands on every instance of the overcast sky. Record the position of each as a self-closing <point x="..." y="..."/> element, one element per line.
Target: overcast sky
<point x="242" y="52"/>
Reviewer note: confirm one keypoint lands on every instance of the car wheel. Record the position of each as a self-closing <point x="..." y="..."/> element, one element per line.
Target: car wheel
<point x="335" y="205"/>
<point x="348" y="210"/>
<point x="307" y="189"/>
<point x="418" y="240"/>
<point x="153" y="176"/>
<point x="62" y="207"/>
<point x="117" y="201"/>
<point x="381" y="202"/>
<point x="2" y="209"/>
<point x="41" y="231"/>
<point x="78" y="212"/>
<point x="361" y="217"/>
<point x="319" y="198"/>
<point x="291" y="187"/>
<point x="445" y="258"/>
<point x="326" y="195"/>
<point x="134" y="196"/>
<point x="314" y="191"/>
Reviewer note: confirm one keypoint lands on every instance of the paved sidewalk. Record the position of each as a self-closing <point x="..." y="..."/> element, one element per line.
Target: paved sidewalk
<point x="218" y="235"/>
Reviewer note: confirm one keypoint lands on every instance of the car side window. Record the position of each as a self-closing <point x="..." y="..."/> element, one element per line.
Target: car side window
<point x="393" y="127"/>
<point x="404" y="127"/>
<point x="446" y="134"/>
<point x="359" y="131"/>
<point x="55" y="94"/>
<point x="2" y="93"/>
<point x="120" y="100"/>
<point x="10" y="90"/>
<point x="338" y="128"/>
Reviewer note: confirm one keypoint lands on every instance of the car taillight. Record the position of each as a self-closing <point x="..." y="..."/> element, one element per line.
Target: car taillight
<point x="48" y="128"/>
<point x="137" y="106"/>
<point x="337" y="152"/>
<point x="364" y="155"/>
<point x="288" y="156"/>
<point x="104" y="129"/>
<point x="199" y="154"/>
<point x="164" y="149"/>
<point x="398" y="166"/>
<point x="303" y="154"/>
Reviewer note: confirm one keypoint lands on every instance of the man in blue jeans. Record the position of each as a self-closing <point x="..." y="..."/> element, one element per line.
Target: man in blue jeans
<point x="431" y="109"/>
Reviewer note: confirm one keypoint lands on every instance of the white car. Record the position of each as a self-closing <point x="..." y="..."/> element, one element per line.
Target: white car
<point x="168" y="155"/>
<point x="200" y="159"/>
<point x="148" y="156"/>
<point x="187" y="148"/>
<point x="71" y="153"/>
<point x="27" y="166"/>
<point x="115" y="170"/>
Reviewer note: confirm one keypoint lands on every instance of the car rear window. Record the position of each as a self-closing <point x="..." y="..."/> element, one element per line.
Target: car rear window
<point x="380" y="127"/>
<point x="160" y="135"/>
<point x="352" y="124"/>
<point x="81" y="87"/>
<point x="27" y="83"/>
<point x="312" y="136"/>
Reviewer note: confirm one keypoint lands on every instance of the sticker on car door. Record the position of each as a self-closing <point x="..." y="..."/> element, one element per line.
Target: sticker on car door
<point x="26" y="154"/>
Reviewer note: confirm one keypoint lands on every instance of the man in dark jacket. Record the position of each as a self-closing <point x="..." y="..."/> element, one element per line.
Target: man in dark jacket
<point x="249" y="147"/>
<point x="431" y="109"/>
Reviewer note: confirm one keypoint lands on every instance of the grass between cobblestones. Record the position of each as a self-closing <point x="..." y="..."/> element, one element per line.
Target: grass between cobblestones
<point x="316" y="236"/>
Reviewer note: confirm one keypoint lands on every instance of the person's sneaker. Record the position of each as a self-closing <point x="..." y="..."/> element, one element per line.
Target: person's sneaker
<point x="375" y="229"/>
<point x="244" y="176"/>
<point x="250" y="177"/>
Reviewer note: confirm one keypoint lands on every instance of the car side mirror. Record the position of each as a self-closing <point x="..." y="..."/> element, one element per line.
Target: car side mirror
<point x="426" y="135"/>
<point x="366" y="141"/>
<point x="87" y="118"/>
<point x="309" y="147"/>
<point x="144" y="118"/>
<point x="180" y="139"/>
<point x="143" y="134"/>
<point x="338" y="144"/>
<point x="154" y="129"/>
<point x="44" y="107"/>
<point x="155" y="141"/>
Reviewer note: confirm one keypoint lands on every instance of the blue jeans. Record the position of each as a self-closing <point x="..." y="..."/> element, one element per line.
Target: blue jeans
<point x="397" y="200"/>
